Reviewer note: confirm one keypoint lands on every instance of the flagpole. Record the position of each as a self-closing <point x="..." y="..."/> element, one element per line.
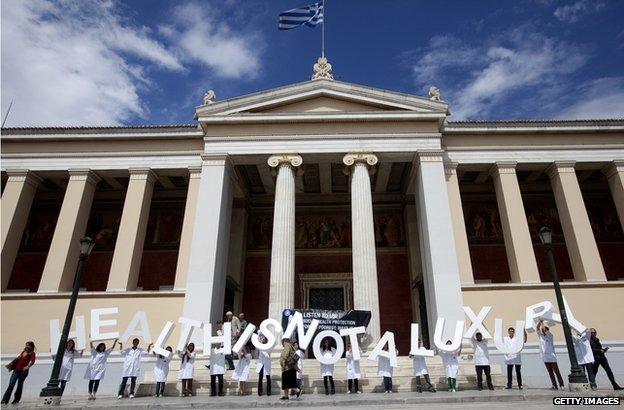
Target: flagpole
<point x="323" y="32"/>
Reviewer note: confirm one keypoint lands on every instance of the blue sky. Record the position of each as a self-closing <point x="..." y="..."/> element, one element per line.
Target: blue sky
<point x="107" y="62"/>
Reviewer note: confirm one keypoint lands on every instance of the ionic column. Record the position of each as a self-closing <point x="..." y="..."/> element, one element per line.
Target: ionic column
<point x="282" y="281"/>
<point x="615" y="175"/>
<point x="17" y="198"/>
<point x="60" y="267"/>
<point x="205" y="281"/>
<point x="186" y="237"/>
<point x="579" y="238"/>
<point x="437" y="245"/>
<point x="459" y="225"/>
<point x="518" y="244"/>
<point x="365" y="288"/>
<point x="124" y="273"/>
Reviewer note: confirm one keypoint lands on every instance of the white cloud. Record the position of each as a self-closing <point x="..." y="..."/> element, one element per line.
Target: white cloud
<point x="572" y="13"/>
<point x="600" y="98"/>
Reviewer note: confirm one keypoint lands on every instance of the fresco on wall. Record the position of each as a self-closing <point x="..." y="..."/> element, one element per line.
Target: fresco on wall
<point x="103" y="226"/>
<point x="603" y="218"/>
<point x="164" y="227"/>
<point x="39" y="230"/>
<point x="483" y="223"/>
<point x="326" y="231"/>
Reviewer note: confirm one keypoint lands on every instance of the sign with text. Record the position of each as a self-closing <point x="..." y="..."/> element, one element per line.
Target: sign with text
<point x="335" y="320"/>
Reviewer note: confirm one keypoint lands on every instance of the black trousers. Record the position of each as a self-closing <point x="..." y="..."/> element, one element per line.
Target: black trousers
<point x="588" y="368"/>
<point x="510" y="368"/>
<point x="213" y="384"/>
<point x="428" y="384"/>
<point x="17" y="376"/>
<point x="230" y="361"/>
<point x="353" y="385"/>
<point x="122" y="386"/>
<point x="260" y="380"/>
<point x="602" y="361"/>
<point x="160" y="388"/>
<point x="553" y="370"/>
<point x="187" y="387"/>
<point x="387" y="382"/>
<point x="488" y="376"/>
<point x="93" y="386"/>
<point x="63" y="383"/>
<point x="329" y="379"/>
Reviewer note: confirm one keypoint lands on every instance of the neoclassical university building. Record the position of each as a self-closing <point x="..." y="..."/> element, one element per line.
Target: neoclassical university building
<point x="321" y="194"/>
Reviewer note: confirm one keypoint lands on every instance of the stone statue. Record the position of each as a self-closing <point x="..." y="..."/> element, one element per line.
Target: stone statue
<point x="209" y="97"/>
<point x="322" y="70"/>
<point x="434" y="94"/>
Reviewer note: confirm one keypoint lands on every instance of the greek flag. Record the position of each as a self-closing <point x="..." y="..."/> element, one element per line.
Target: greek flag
<point x="310" y="15"/>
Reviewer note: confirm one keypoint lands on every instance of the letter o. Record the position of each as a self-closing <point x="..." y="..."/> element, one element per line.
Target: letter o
<point x="316" y="347"/>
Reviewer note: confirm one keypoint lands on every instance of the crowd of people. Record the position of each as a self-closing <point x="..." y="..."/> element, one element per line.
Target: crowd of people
<point x="590" y="353"/>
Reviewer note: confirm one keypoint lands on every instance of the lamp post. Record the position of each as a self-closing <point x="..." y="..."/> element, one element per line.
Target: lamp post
<point x="577" y="379"/>
<point x="51" y="394"/>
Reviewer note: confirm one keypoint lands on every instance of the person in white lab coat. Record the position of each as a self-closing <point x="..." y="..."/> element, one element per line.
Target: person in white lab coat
<point x="300" y="357"/>
<point x="217" y="369"/>
<point x="482" y="361"/>
<point x="421" y="370"/>
<point x="67" y="365"/>
<point x="353" y="372"/>
<point x="547" y="353"/>
<point x="263" y="368"/>
<point x="131" y="367"/>
<point x="97" y="366"/>
<point x="241" y="372"/>
<point x="385" y="370"/>
<point x="327" y="370"/>
<point x="161" y="371"/>
<point x="513" y="360"/>
<point x="187" y="369"/>
<point x="451" y="365"/>
<point x="585" y="356"/>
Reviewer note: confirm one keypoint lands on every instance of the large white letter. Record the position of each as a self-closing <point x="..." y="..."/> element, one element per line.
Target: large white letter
<point x="387" y="338"/>
<point x="97" y="323"/>
<point x="225" y="338"/>
<point x="303" y="338"/>
<point x="457" y="338"/>
<point x="159" y="346"/>
<point x="416" y="350"/>
<point x="517" y="343"/>
<point x="477" y="322"/>
<point x="353" y="333"/>
<point x="139" y="318"/>
<point x="574" y="324"/>
<point x="79" y="334"/>
<point x="266" y="332"/>
<point x="316" y="347"/>
<point x="244" y="338"/>
<point x="540" y="311"/>
<point x="187" y="331"/>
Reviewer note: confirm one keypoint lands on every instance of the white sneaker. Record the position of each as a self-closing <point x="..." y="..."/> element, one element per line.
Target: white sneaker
<point x="132" y="396"/>
<point x="389" y="391"/>
<point x="348" y="392"/>
<point x="454" y="390"/>
<point x="119" y="397"/>
<point x="358" y="392"/>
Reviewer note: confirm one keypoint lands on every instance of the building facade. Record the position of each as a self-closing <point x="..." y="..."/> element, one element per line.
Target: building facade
<point x="321" y="194"/>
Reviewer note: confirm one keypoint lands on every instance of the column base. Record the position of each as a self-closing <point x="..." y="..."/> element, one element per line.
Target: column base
<point x="49" y="396"/>
<point x="579" y="387"/>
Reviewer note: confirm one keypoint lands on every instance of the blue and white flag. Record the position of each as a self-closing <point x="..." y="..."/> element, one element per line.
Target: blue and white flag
<point x="310" y="15"/>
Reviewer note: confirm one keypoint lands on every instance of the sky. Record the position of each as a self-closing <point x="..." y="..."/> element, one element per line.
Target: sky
<point x="132" y="62"/>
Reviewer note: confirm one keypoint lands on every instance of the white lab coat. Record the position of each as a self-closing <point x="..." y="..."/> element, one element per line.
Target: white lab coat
<point x="187" y="366"/>
<point x="547" y="347"/>
<point x="420" y="366"/>
<point x="161" y="369"/>
<point x="241" y="373"/>
<point x="515" y="358"/>
<point x="481" y="352"/>
<point x="383" y="367"/>
<point x="68" y="364"/>
<point x="328" y="369"/>
<point x="583" y="350"/>
<point x="217" y="361"/>
<point x="132" y="361"/>
<point x="450" y="363"/>
<point x="353" y="367"/>
<point x="97" y="365"/>
<point x="300" y="355"/>
<point x="264" y="362"/>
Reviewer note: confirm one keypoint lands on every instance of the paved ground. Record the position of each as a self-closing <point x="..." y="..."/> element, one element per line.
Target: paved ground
<point x="470" y="399"/>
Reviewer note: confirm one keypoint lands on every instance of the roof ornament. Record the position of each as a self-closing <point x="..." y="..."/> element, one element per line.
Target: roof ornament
<point x="322" y="70"/>
<point x="434" y="94"/>
<point x="209" y="97"/>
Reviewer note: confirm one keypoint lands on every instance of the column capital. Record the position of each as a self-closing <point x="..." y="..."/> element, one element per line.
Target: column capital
<point x="450" y="167"/>
<point x="353" y="158"/>
<point x="499" y="168"/>
<point x="613" y="168"/>
<point x="560" y="167"/>
<point x="293" y="160"/>
<point x="83" y="175"/>
<point x="430" y="155"/>
<point x="23" y="175"/>
<point x="216" y="160"/>
<point x="195" y="171"/>
<point x="143" y="174"/>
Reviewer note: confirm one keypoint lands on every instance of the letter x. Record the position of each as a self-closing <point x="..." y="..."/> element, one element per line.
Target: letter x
<point x="477" y="322"/>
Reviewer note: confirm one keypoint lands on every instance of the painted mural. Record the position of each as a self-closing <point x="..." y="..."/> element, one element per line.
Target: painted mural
<point x="39" y="229"/>
<point x="483" y="223"/>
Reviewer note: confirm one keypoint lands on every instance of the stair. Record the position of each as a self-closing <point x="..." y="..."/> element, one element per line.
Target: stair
<point x="402" y="380"/>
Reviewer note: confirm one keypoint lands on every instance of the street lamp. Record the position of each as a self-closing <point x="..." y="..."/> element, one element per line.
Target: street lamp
<point x="577" y="380"/>
<point x="51" y="394"/>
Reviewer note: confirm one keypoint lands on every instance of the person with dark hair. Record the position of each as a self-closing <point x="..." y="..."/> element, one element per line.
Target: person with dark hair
<point x="161" y="371"/>
<point x="187" y="369"/>
<point x="547" y="353"/>
<point x="288" y="363"/>
<point x="584" y="355"/>
<point x="353" y="372"/>
<point x="300" y="357"/>
<point x="450" y="361"/>
<point x="385" y="370"/>
<point x="600" y="358"/>
<point x="263" y="368"/>
<point x="327" y="370"/>
<point x="513" y="360"/>
<point x="19" y="371"/>
<point x="131" y="367"/>
<point x="67" y="365"/>
<point x="241" y="373"/>
<point x="420" y="370"/>
<point x="482" y="361"/>
<point x="97" y="366"/>
<point x="217" y="369"/>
